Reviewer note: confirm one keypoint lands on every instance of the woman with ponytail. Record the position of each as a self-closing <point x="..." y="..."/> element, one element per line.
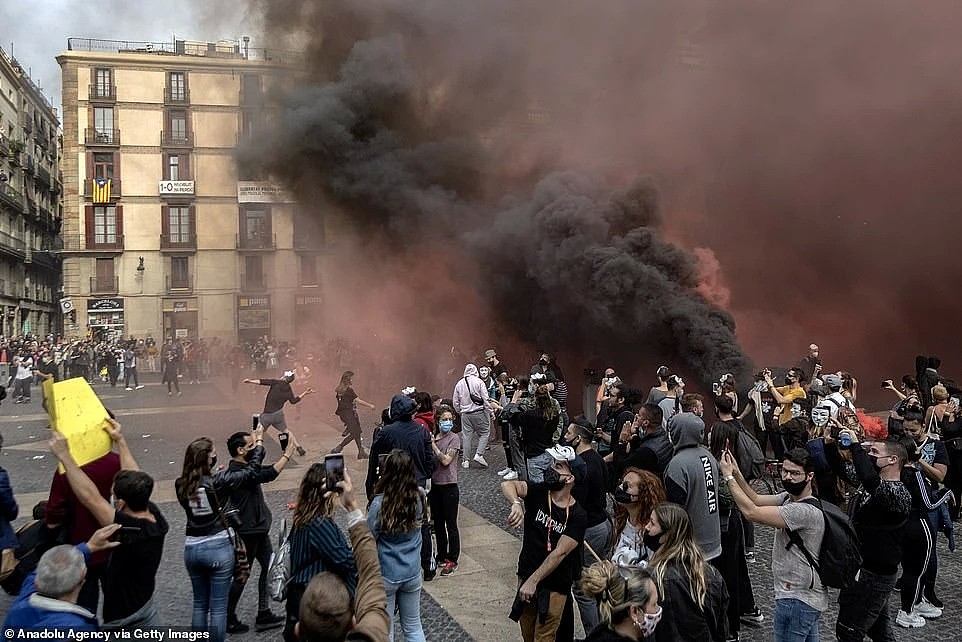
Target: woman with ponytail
<point x="693" y="592"/>
<point x="627" y="602"/>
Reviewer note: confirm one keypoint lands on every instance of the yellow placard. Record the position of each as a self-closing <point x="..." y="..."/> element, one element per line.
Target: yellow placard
<point x="76" y="413"/>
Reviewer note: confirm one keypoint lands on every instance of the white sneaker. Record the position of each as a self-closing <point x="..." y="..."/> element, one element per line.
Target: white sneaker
<point x="481" y="460"/>
<point x="465" y="464"/>
<point x="128" y="388"/>
<point x="511" y="476"/>
<point x="504" y="471"/>
<point x="909" y="620"/>
<point x="138" y="387"/>
<point x="927" y="610"/>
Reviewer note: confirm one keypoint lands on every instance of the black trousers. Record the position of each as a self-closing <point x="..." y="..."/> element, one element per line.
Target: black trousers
<point x="90" y="591"/>
<point x="258" y="548"/>
<point x="292" y="607"/>
<point x="732" y="566"/>
<point x="444" y="511"/>
<point x="916" y="543"/>
<point x="353" y="425"/>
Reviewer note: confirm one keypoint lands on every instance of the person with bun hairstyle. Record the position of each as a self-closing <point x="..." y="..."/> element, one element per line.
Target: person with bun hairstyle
<point x="627" y="602"/>
<point x="694" y="595"/>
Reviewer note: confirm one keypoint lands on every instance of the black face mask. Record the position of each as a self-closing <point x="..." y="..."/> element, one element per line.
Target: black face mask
<point x="573" y="443"/>
<point x="552" y="480"/>
<point x="249" y="455"/>
<point x="213" y="462"/>
<point x="651" y="541"/>
<point x="788" y="381"/>
<point x="543" y="362"/>
<point x="794" y="488"/>
<point x="622" y="496"/>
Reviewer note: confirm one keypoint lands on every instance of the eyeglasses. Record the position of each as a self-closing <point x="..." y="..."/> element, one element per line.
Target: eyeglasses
<point x="793" y="474"/>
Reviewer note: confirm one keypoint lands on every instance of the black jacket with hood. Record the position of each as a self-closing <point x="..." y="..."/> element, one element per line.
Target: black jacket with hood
<point x="405" y="435"/>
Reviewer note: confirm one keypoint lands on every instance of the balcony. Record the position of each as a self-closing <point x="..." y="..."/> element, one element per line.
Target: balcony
<point x="11" y="198"/>
<point x="115" y="190"/>
<point x="104" y="285"/>
<point x="47" y="260"/>
<point x="102" y="93"/>
<point x="178" y="242"/>
<point x="44" y="178"/>
<point x="253" y="284"/>
<point x="176" y="96"/>
<point x="176" y="139"/>
<point x="256" y="242"/>
<point x="102" y="137"/>
<point x="29" y="164"/>
<point x="4" y="147"/>
<point x="104" y="243"/>
<point x="12" y="245"/>
<point x="178" y="283"/>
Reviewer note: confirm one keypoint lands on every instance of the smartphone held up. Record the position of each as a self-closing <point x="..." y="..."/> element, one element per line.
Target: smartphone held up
<point x="334" y="472"/>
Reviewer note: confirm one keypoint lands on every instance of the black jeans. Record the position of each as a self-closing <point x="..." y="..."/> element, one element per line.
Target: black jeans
<point x="258" y="548"/>
<point x="444" y="511"/>
<point x="353" y="426"/>
<point x="731" y="565"/>
<point x="128" y="373"/>
<point x="863" y="609"/>
<point x="292" y="607"/>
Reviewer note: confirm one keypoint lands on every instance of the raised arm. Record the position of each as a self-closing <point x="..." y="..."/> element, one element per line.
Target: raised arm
<point x="83" y="487"/>
<point x="127" y="461"/>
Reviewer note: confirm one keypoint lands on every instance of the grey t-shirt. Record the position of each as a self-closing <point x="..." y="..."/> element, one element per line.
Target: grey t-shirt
<point x="792" y="573"/>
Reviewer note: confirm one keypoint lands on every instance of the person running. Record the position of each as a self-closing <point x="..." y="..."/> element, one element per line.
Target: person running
<point x="347" y="401"/>
<point x="278" y="394"/>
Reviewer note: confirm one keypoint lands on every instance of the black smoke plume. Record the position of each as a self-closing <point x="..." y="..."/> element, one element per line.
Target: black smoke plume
<point x="565" y="262"/>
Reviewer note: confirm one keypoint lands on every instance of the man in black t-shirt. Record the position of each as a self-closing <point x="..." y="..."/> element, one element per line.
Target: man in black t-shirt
<point x="554" y="525"/>
<point x="129" y="578"/>
<point x="279" y="393"/>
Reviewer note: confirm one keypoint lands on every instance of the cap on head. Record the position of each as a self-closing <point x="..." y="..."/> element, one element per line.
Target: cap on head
<point x="490" y="354"/>
<point x="834" y="382"/>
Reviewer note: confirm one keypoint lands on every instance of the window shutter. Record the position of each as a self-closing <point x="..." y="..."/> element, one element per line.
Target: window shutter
<point x="89" y="224"/>
<point x="165" y="221"/>
<point x="119" y="213"/>
<point x="192" y="214"/>
<point x="185" y="167"/>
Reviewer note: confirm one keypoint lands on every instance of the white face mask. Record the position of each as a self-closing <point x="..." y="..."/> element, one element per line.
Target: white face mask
<point x="647" y="626"/>
<point x="820" y="416"/>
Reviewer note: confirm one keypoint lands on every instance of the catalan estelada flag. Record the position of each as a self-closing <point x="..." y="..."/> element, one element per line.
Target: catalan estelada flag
<point x="100" y="190"/>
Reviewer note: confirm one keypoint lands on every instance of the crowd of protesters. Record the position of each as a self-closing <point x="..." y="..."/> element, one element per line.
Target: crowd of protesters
<point x="641" y="519"/>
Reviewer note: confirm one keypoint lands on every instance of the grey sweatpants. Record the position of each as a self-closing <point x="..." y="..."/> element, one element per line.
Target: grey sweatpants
<point x="475" y="423"/>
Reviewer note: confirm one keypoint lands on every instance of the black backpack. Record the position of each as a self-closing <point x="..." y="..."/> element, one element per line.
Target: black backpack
<point x="840" y="556"/>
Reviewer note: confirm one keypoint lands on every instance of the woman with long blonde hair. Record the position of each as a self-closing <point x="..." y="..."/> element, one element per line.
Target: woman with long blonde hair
<point x="694" y="596"/>
<point x="317" y="544"/>
<point x="394" y="518"/>
<point x="627" y="602"/>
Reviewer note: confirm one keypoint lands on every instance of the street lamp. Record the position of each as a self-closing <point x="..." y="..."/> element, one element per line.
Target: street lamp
<point x="140" y="267"/>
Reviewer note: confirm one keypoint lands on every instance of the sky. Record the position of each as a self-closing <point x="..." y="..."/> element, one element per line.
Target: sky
<point x="37" y="31"/>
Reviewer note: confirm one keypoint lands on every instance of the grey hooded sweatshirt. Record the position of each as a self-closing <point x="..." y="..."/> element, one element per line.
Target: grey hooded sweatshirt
<point x="692" y="480"/>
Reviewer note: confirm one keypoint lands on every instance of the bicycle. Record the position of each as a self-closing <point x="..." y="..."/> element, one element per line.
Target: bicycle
<point x="770" y="482"/>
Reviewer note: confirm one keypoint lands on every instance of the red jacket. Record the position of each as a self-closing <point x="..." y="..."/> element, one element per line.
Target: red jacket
<point x="426" y="419"/>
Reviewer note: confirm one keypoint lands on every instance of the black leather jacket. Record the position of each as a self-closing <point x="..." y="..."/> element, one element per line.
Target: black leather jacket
<point x="242" y="491"/>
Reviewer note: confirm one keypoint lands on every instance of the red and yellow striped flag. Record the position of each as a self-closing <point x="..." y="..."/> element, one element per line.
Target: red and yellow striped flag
<point x="100" y="190"/>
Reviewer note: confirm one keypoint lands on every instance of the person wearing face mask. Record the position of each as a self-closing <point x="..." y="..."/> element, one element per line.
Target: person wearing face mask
<point x="554" y="526"/>
<point x="694" y="596"/>
<point x="592" y="497"/>
<point x="129" y="576"/>
<point x="635" y="496"/>
<point x="800" y="598"/>
<point x="444" y="495"/>
<point x="243" y="477"/>
<point x="879" y="510"/>
<point x="208" y="550"/>
<point x="784" y="396"/>
<point x="627" y="599"/>
<point x="604" y="388"/>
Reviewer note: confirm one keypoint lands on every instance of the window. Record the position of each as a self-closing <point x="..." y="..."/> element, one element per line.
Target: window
<point x="254" y="271"/>
<point x="256" y="224"/>
<point x="178" y="125"/>
<point x="105" y="275"/>
<point x="103" y="165"/>
<point x="177" y="85"/>
<point x="250" y="87"/>
<point x="176" y="167"/>
<point x="179" y="275"/>
<point x="105" y="224"/>
<point x="308" y="269"/>
<point x="178" y="223"/>
<point x="104" y="124"/>
<point x="173" y="168"/>
<point x="102" y="83"/>
<point x="251" y="123"/>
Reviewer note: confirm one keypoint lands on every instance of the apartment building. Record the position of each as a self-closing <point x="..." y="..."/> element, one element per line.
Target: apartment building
<point x="162" y="235"/>
<point x="30" y="205"/>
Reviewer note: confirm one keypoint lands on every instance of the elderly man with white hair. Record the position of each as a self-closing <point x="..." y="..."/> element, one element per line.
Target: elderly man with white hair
<point x="48" y="598"/>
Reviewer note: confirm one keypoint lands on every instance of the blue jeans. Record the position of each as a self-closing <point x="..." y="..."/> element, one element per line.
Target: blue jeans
<point x="211" y="568"/>
<point x="537" y="466"/>
<point x="407" y="595"/>
<point x="795" y="621"/>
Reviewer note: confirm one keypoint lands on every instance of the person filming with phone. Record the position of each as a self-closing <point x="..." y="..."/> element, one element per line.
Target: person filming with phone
<point x="243" y="477"/>
<point x="130" y="573"/>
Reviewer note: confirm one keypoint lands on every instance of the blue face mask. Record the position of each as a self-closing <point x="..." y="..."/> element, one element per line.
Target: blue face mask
<point x="446" y="425"/>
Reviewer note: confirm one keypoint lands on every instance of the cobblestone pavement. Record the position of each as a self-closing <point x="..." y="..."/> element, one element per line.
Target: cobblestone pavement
<point x="158" y="428"/>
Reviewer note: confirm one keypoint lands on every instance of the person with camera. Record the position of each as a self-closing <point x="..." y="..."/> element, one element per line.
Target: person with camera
<point x="317" y="545"/>
<point x="617" y="413"/>
<point x="130" y="575"/>
<point x="329" y="612"/>
<point x="48" y="597"/>
<point x="800" y="598"/>
<point x="242" y="481"/>
<point x="879" y="510"/>
<point x="643" y="444"/>
<point x="784" y="396"/>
